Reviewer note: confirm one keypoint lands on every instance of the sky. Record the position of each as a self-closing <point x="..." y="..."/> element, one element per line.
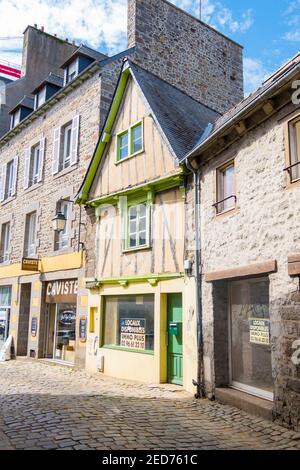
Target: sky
<point x="269" y="30"/>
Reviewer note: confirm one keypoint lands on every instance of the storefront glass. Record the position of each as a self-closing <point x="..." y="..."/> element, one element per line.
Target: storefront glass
<point x="129" y="322"/>
<point x="250" y="337"/>
<point x="5" y="305"/>
<point x="65" y="332"/>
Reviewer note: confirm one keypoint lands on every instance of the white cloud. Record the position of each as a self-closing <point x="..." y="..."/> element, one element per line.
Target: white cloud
<point x="255" y="73"/>
<point x="217" y="15"/>
<point x="292" y="15"/>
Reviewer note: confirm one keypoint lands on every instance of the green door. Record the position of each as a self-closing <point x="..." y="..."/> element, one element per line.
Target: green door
<point x="175" y="339"/>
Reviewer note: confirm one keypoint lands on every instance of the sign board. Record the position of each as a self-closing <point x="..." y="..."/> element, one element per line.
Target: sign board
<point x="82" y="329"/>
<point x="133" y="333"/>
<point x="259" y="331"/>
<point x="34" y="326"/>
<point x="64" y="291"/>
<point x="30" y="264"/>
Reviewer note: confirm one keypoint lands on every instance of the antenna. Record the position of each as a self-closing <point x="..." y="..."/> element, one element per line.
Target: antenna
<point x="200" y="9"/>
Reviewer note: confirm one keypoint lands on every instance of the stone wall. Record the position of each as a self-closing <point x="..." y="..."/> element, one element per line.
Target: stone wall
<point x="265" y="226"/>
<point x="186" y="52"/>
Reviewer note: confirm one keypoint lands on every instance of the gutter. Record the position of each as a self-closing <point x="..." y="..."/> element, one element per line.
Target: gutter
<point x="199" y="382"/>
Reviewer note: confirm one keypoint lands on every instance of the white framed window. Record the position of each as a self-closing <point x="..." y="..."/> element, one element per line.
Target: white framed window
<point x="62" y="238"/>
<point x="8" y="179"/>
<point x="5" y="239"/>
<point x="34" y="162"/>
<point x="130" y="142"/>
<point x="294" y="146"/>
<point x="15" y="119"/>
<point x="30" y="235"/>
<point x="226" y="196"/>
<point x="40" y="97"/>
<point x="71" y="72"/>
<point x="65" y="145"/>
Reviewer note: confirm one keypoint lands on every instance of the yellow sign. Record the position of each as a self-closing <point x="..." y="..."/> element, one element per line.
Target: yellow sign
<point x="30" y="264"/>
<point x="259" y="331"/>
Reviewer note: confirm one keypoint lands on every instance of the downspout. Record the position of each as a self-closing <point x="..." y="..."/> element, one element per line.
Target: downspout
<point x="199" y="383"/>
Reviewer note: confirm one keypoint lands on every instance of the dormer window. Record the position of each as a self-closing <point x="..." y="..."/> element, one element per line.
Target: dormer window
<point x="71" y="71"/>
<point x="15" y="119"/>
<point x="40" y="98"/>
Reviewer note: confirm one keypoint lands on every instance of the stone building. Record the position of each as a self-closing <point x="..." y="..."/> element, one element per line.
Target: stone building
<point x="54" y="127"/>
<point x="248" y="164"/>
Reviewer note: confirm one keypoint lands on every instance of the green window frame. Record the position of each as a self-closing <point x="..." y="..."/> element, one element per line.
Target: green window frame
<point x="137" y="224"/>
<point x="130" y="142"/>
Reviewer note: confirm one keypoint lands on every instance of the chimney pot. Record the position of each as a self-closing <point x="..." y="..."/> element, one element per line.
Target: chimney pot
<point x="35" y="25"/>
<point x="42" y="28"/>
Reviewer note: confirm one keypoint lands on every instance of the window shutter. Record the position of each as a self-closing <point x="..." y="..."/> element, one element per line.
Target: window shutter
<point x="15" y="176"/>
<point x="56" y="150"/>
<point x="41" y="159"/>
<point x="74" y="140"/>
<point x="2" y="182"/>
<point x="26" y="168"/>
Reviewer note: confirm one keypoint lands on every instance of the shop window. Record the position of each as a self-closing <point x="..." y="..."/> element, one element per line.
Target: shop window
<point x="130" y="142"/>
<point x="5" y="306"/>
<point x="129" y="323"/>
<point x="4" y="243"/>
<point x="226" y="197"/>
<point x="294" y="154"/>
<point x="30" y="235"/>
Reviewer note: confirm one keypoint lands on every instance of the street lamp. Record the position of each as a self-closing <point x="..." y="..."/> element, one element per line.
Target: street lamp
<point x="59" y="222"/>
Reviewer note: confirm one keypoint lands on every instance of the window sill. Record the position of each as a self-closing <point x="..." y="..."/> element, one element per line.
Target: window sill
<point x="227" y="213"/>
<point x="66" y="171"/>
<point x="8" y="200"/>
<point x="131" y="250"/>
<point x="292" y="185"/>
<point x="33" y="187"/>
<point x="138" y="351"/>
<point x="129" y="156"/>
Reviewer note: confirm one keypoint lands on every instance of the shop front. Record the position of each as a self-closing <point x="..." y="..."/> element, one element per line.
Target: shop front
<point x="5" y="308"/>
<point x="61" y="315"/>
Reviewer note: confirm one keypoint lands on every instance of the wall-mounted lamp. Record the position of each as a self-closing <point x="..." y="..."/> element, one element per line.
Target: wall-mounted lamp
<point x="59" y="222"/>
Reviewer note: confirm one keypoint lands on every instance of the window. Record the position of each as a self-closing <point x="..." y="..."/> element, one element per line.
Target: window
<point x="35" y="164"/>
<point x="40" y="97"/>
<point x="136" y="138"/>
<point x="129" y="322"/>
<point x="72" y="71"/>
<point x="65" y="146"/>
<point x="62" y="238"/>
<point x="123" y="146"/>
<point x="30" y="235"/>
<point x="226" y="198"/>
<point x="15" y="119"/>
<point x="4" y="247"/>
<point x="8" y="179"/>
<point x="294" y="138"/>
<point x="137" y="226"/>
<point x="130" y="142"/>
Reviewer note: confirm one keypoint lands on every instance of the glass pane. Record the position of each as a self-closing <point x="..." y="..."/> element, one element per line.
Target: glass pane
<point x="133" y="212"/>
<point x="132" y="240"/>
<point x="142" y="238"/>
<point x="250" y="336"/>
<point x="143" y="222"/>
<point x="137" y="143"/>
<point x="123" y="146"/>
<point x="129" y="322"/>
<point x="65" y="333"/>
<point x="132" y="228"/>
<point x="295" y="150"/>
<point x="143" y="210"/>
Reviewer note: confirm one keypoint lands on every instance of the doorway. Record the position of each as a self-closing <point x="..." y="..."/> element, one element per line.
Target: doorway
<point x="249" y="337"/>
<point x="61" y="332"/>
<point x="24" y="317"/>
<point x="175" y="348"/>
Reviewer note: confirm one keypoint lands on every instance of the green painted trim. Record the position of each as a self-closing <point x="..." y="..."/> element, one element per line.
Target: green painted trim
<point x="120" y="348"/>
<point x="150" y="278"/>
<point x="128" y="131"/>
<point x="89" y="178"/>
<point x="161" y="184"/>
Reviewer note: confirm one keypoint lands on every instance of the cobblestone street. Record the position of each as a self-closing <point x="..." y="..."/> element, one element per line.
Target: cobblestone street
<point x="45" y="406"/>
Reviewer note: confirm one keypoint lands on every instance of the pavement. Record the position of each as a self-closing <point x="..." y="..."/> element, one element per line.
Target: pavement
<point x="46" y="406"/>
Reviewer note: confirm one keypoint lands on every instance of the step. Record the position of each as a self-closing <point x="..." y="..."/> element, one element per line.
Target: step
<point x="249" y="403"/>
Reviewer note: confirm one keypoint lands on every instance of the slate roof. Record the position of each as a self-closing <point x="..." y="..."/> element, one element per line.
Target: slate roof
<point x="266" y="90"/>
<point x="181" y="118"/>
<point x="26" y="102"/>
<point x="52" y="79"/>
<point x="85" y="51"/>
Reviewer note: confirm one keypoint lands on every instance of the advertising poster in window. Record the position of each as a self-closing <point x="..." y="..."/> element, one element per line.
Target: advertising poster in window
<point x="133" y="333"/>
<point x="259" y="331"/>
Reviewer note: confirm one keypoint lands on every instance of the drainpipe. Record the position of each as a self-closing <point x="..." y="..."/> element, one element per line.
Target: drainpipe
<point x="199" y="383"/>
